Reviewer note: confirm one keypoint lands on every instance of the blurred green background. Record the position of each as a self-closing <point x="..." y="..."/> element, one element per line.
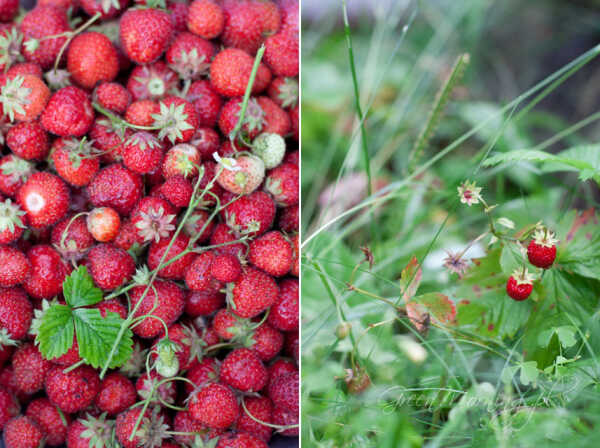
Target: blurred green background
<point x="404" y="51"/>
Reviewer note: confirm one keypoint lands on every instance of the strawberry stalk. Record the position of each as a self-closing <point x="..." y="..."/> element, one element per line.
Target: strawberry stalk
<point x="240" y="122"/>
<point x="279" y="428"/>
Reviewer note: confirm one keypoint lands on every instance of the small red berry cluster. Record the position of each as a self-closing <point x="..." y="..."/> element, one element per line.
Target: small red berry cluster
<point x="541" y="253"/>
<point x="150" y="147"/>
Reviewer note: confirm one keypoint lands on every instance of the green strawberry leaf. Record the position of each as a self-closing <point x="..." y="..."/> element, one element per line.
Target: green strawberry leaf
<point x="96" y="336"/>
<point x="55" y="334"/>
<point x="79" y="289"/>
<point x="579" y="251"/>
<point x="529" y="372"/>
<point x="512" y="257"/>
<point x="565" y="334"/>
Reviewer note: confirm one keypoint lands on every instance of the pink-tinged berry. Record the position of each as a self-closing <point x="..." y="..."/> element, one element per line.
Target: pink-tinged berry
<point x="541" y="251"/>
<point x="45" y="199"/>
<point x="242" y="175"/>
<point x="520" y="284"/>
<point x="151" y="82"/>
<point x="109" y="266"/>
<point x="270" y="148"/>
<point x="103" y="224"/>
<point x="215" y="406"/>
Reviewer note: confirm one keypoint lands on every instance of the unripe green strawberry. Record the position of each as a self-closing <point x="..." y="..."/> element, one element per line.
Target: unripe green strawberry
<point x="270" y="148"/>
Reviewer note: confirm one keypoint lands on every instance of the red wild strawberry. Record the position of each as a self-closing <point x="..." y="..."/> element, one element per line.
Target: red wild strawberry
<point x="44" y="198"/>
<point x="25" y="68"/>
<point x="22" y="432"/>
<point x="178" y="12"/>
<point x="215" y="406"/>
<point x="243" y="369"/>
<point x="177" y="120"/>
<point x="9" y="407"/>
<point x="92" y="58"/>
<point x="190" y="55"/>
<point x="127" y="236"/>
<point x="72" y="391"/>
<point x="69" y="112"/>
<point x="240" y="440"/>
<point x="112" y="306"/>
<point x="261" y="409"/>
<point x="153" y="219"/>
<point x="252" y="124"/>
<point x="70" y="357"/>
<point x="252" y="214"/>
<point x="145" y="34"/>
<point x="284" y="91"/>
<point x="283" y="184"/>
<point x="295" y="119"/>
<point x="176" y="269"/>
<point x="223" y="234"/>
<point x="226" y="268"/>
<point x="8" y="10"/>
<point x="282" y="54"/>
<point x="290" y="21"/>
<point x="206" y="101"/>
<point x="47" y="273"/>
<point x="271" y="17"/>
<point x="93" y="431"/>
<point x="151" y="431"/>
<point x="205" y="18"/>
<point x="146" y="385"/>
<point x="200" y="373"/>
<point x="207" y="141"/>
<point x="253" y="293"/>
<point x="188" y="342"/>
<point x="107" y="10"/>
<point x="541" y="251"/>
<point x="140" y="112"/>
<point x="281" y="417"/>
<point x="117" y="187"/>
<point x="268" y="342"/>
<point x="520" y="284"/>
<point x="243" y="25"/>
<point x="289" y="219"/>
<point x="169" y="301"/>
<point x="272" y="253"/>
<point x="11" y="222"/>
<point x="14" y="171"/>
<point x="16" y="313"/>
<point x="285" y="313"/>
<point x="184" y="426"/>
<point x="14" y="267"/>
<point x="227" y="325"/>
<point x="284" y="392"/>
<point x="28" y="140"/>
<point x="71" y="238"/>
<point x="109" y="266"/>
<point x="24" y="97"/>
<point x="142" y="152"/>
<point x="103" y="224"/>
<point x="51" y="422"/>
<point x="280" y="367"/>
<point x="117" y="393"/>
<point x="241" y="175"/>
<point x="178" y="190"/>
<point x="276" y="120"/>
<point x="109" y="139"/>
<point x="197" y="274"/>
<point x="292" y="345"/>
<point x="39" y="23"/>
<point x="30" y="368"/>
<point x="203" y="303"/>
<point x="151" y="82"/>
<point x="112" y="96"/>
<point x="181" y="160"/>
<point x="75" y="160"/>
<point x="230" y="72"/>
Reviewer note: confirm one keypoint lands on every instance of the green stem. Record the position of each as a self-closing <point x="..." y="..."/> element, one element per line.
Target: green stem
<point x="240" y="122"/>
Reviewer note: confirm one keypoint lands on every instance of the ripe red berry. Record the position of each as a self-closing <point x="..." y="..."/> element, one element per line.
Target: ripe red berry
<point x="71" y="238"/>
<point x="9" y="407"/>
<point x="207" y="103"/>
<point x="230" y="72"/>
<point x="240" y="440"/>
<point x="151" y="431"/>
<point x="117" y="187"/>
<point x="169" y="300"/>
<point x="14" y="267"/>
<point x="48" y="271"/>
<point x="72" y="391"/>
<point x="152" y="81"/>
<point x="92" y="58"/>
<point x="205" y="18"/>
<point x="282" y="54"/>
<point x="190" y="56"/>
<point x="30" y="368"/>
<point x="145" y="34"/>
<point x="142" y="152"/>
<point x="44" y="21"/>
<point x="154" y="219"/>
<point x="109" y="266"/>
<point x="44" y="198"/>
<point x="261" y="409"/>
<point x="175" y="270"/>
<point x="541" y="251"/>
<point x="253" y="293"/>
<point x="68" y="112"/>
<point x="519" y="285"/>
<point x="215" y="406"/>
<point x="22" y="432"/>
<point x="112" y="96"/>
<point x="272" y="253"/>
<point x="75" y="160"/>
<point x="51" y="422"/>
<point x="16" y="313"/>
<point x="226" y="268"/>
<point x="28" y="140"/>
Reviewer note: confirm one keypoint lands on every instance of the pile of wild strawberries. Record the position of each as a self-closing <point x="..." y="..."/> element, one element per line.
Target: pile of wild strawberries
<point x="146" y="147"/>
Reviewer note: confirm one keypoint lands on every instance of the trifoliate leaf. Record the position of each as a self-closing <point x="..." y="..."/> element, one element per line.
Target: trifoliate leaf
<point x="529" y="372"/>
<point x="55" y="335"/>
<point x="79" y="289"/>
<point x="96" y="336"/>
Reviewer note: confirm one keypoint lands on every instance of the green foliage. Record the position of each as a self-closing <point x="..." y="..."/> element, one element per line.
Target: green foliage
<point x="95" y="334"/>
